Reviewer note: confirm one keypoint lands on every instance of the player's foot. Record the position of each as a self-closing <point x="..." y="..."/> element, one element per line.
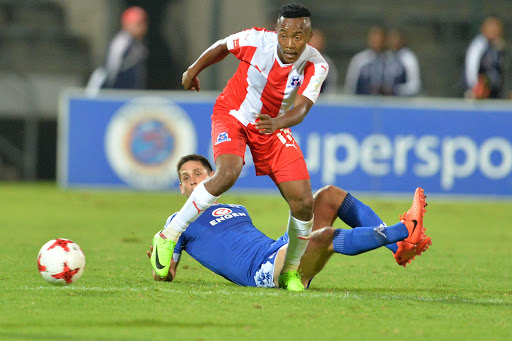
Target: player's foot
<point x="290" y="280"/>
<point x="407" y="252"/>
<point x="413" y="219"/>
<point x="162" y="254"/>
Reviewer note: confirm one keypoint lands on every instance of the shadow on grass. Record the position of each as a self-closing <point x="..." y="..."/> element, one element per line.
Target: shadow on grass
<point x="109" y="325"/>
<point x="130" y="324"/>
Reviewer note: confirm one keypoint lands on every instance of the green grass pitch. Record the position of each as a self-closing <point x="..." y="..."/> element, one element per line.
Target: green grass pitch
<point x="460" y="289"/>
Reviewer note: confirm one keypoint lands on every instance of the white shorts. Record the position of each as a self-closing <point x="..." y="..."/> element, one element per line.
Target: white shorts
<point x="264" y="276"/>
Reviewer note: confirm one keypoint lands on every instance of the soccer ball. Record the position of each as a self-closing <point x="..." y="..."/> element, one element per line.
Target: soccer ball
<point x="61" y="261"/>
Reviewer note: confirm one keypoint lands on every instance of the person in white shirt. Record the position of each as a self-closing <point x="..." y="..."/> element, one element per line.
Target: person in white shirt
<point x="365" y="73"/>
<point x="402" y="71"/>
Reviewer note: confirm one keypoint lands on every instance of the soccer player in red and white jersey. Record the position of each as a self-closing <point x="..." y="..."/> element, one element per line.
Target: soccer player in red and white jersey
<point x="277" y="82"/>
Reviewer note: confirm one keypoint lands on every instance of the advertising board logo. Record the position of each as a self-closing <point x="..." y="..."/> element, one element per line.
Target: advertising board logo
<point x="145" y="139"/>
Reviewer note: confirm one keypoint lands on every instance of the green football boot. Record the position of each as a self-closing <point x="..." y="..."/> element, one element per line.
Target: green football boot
<point x="290" y="280"/>
<point x="162" y="254"/>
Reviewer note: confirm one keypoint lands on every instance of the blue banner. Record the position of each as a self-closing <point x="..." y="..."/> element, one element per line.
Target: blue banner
<point x="364" y="145"/>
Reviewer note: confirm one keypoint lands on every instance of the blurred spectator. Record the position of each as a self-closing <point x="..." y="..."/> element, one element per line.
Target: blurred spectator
<point x="365" y="73"/>
<point x="330" y="85"/>
<point x="125" y="64"/>
<point x="484" y="64"/>
<point x="402" y="70"/>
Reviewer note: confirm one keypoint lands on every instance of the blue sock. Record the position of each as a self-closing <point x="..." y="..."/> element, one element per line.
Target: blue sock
<point x="356" y="214"/>
<point x="362" y="239"/>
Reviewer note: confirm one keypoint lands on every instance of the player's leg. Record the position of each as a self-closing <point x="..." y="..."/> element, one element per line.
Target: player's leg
<point x="318" y="252"/>
<point x="332" y="202"/>
<point x="300" y="222"/>
<point x="328" y="240"/>
<point x="355" y="213"/>
<point x="327" y="201"/>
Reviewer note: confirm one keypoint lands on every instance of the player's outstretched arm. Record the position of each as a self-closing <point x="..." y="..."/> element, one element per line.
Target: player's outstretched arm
<point x="292" y="117"/>
<point x="214" y="54"/>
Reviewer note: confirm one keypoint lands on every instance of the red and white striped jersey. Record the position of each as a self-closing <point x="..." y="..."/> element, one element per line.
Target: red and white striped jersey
<point x="262" y="83"/>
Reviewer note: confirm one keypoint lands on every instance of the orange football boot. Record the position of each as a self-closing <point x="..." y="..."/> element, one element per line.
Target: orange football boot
<point x="407" y="252"/>
<point x="417" y="241"/>
<point x="413" y="219"/>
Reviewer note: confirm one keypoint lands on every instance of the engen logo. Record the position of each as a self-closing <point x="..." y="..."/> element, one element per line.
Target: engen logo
<point x="221" y="211"/>
<point x="224" y="213"/>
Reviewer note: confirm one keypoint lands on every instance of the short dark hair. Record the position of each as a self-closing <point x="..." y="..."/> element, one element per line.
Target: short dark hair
<point x="294" y="10"/>
<point x="193" y="157"/>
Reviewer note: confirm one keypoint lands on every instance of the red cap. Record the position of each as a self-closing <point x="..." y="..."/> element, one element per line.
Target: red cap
<point x="132" y="15"/>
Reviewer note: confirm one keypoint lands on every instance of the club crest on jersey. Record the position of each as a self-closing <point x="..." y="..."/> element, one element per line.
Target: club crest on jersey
<point x="295" y="81"/>
<point x="222" y="137"/>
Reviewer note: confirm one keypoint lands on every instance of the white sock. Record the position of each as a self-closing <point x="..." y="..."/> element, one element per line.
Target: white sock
<point x="299" y="232"/>
<point x="200" y="199"/>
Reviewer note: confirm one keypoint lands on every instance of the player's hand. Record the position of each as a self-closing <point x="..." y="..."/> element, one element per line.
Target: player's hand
<point x="157" y="277"/>
<point x="190" y="83"/>
<point x="265" y="124"/>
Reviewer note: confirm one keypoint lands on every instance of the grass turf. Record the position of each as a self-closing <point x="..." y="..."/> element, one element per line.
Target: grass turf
<point x="459" y="289"/>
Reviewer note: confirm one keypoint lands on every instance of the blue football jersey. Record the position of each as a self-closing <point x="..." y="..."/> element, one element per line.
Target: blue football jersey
<point x="224" y="240"/>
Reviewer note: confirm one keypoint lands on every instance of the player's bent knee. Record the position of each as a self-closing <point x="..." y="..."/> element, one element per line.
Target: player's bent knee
<point x="330" y="195"/>
<point x="330" y="191"/>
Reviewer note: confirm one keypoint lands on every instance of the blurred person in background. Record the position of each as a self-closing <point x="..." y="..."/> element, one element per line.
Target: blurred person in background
<point x="402" y="69"/>
<point x="330" y="85"/>
<point x="125" y="64"/>
<point x="484" y="63"/>
<point x="365" y="73"/>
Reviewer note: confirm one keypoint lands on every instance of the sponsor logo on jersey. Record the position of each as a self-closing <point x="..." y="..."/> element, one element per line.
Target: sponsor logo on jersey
<point x="223" y="137"/>
<point x="221" y="211"/>
<point x="145" y="139"/>
<point x="236" y="43"/>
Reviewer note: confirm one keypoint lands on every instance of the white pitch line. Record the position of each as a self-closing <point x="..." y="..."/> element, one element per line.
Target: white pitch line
<point x="345" y="295"/>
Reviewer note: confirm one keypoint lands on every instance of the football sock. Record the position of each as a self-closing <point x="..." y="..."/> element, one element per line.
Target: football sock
<point x="362" y="239"/>
<point x="200" y="199"/>
<point x="354" y="213"/>
<point x="298" y="232"/>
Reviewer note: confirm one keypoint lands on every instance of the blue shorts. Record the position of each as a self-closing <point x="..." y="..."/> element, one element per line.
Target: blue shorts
<point x="264" y="277"/>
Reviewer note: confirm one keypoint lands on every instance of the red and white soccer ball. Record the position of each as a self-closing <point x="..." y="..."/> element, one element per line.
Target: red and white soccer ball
<point x="61" y="261"/>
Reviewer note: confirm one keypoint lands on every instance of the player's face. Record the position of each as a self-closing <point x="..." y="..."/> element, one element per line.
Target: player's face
<point x="191" y="174"/>
<point x="293" y="34"/>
